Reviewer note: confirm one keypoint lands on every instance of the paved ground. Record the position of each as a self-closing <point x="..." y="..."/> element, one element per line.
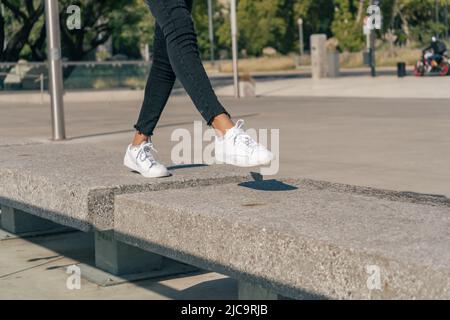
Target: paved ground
<point x="432" y="87"/>
<point x="398" y="144"/>
<point x="295" y="83"/>
<point x="36" y="269"/>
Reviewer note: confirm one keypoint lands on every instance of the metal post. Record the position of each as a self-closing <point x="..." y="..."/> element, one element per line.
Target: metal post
<point x="300" y="36"/>
<point x="55" y="69"/>
<point x="446" y="19"/>
<point x="437" y="10"/>
<point x="234" y="48"/>
<point x="5" y="40"/>
<point x="372" y="35"/>
<point x="372" y="54"/>
<point x="41" y="82"/>
<point x="437" y="14"/>
<point x="211" y="29"/>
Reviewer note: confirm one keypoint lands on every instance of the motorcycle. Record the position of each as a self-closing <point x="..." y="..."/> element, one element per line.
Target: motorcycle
<point x="426" y="65"/>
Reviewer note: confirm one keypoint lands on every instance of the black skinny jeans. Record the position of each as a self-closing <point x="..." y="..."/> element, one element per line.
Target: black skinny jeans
<point x="175" y="55"/>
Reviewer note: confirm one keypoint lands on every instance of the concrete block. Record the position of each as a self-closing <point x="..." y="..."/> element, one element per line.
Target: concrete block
<point x="120" y="259"/>
<point x="247" y="89"/>
<point x="300" y="238"/>
<point x="318" y="56"/>
<point x="19" y="222"/>
<point x="333" y="65"/>
<point x="66" y="184"/>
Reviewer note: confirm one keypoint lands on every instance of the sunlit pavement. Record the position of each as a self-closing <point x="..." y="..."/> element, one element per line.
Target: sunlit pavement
<point x="36" y="268"/>
<point x="431" y="87"/>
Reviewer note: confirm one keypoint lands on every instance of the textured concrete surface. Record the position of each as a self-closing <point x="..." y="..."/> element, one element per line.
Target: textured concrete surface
<point x="75" y="184"/>
<point x="300" y="238"/>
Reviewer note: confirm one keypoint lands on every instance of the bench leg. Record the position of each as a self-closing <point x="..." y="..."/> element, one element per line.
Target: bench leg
<point x="119" y="258"/>
<point x="250" y="291"/>
<point x="18" y="222"/>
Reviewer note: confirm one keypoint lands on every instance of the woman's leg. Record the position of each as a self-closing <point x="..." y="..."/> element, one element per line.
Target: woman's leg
<point x="157" y="90"/>
<point x="175" y="20"/>
<point x="177" y="28"/>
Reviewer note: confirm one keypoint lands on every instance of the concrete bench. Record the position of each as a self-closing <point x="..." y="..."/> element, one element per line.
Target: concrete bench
<point x="299" y="238"/>
<point x="74" y="185"/>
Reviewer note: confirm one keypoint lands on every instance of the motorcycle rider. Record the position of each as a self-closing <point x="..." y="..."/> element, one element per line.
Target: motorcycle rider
<point x="438" y="49"/>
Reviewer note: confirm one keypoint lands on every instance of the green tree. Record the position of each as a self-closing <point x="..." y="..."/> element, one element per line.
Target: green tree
<point x="317" y="16"/>
<point x="347" y="24"/>
<point x="200" y="16"/>
<point x="24" y="31"/>
<point x="286" y="35"/>
<point x="135" y="29"/>
<point x="416" y="20"/>
<point x="99" y="20"/>
<point x="17" y="21"/>
<point x="260" y="24"/>
<point x="257" y="22"/>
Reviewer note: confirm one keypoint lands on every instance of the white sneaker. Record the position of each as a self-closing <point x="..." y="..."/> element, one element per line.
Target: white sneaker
<point x="140" y="159"/>
<point x="239" y="149"/>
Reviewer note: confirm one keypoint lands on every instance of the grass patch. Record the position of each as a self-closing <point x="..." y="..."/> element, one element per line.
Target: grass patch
<point x="384" y="58"/>
<point x="278" y="63"/>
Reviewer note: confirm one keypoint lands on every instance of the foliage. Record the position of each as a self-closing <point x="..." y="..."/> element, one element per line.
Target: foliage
<point x="261" y="24"/>
<point x="347" y="25"/>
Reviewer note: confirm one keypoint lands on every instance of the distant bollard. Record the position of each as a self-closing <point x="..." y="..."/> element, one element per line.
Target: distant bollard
<point x="318" y="56"/>
<point x="333" y="58"/>
<point x="366" y="58"/>
<point x="401" y="69"/>
<point x="247" y="86"/>
<point x="333" y="65"/>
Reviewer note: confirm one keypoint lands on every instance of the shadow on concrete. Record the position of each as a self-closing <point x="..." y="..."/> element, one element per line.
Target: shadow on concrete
<point x="217" y="289"/>
<point x="184" y="166"/>
<point x="96" y="135"/>
<point x="74" y="245"/>
<point x="79" y="246"/>
<point x="268" y="185"/>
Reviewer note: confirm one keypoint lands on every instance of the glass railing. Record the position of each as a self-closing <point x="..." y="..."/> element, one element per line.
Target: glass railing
<point x="77" y="75"/>
<point x="94" y="75"/>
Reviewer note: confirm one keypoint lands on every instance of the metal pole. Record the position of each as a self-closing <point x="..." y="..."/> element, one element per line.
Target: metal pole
<point x="5" y="40"/>
<point x="211" y="28"/>
<point x="372" y="54"/>
<point x="437" y="14"/>
<point x="234" y="48"/>
<point x="300" y="36"/>
<point x="41" y="80"/>
<point x="446" y="19"/>
<point x="55" y="69"/>
<point x="372" y="47"/>
<point x="437" y="10"/>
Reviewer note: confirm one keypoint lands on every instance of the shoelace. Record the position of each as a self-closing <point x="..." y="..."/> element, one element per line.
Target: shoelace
<point x="145" y="153"/>
<point x="242" y="138"/>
